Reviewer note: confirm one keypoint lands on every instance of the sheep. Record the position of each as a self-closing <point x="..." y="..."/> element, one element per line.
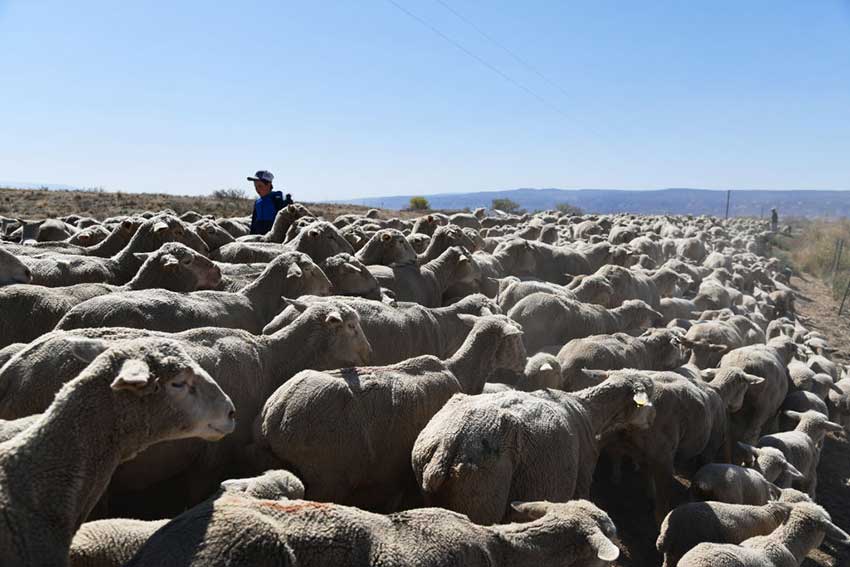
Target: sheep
<point x="314" y="534"/>
<point x="426" y="284"/>
<point x="541" y="371"/>
<point x="690" y="524"/>
<point x="402" y="331"/>
<point x="52" y="270"/>
<point x="656" y="349"/>
<point x="630" y="284"/>
<point x="839" y="402"/>
<point x="479" y="452"/>
<point x="319" y="240"/>
<point x="127" y="399"/>
<point x="679" y="403"/>
<point x="10" y="428"/>
<point x="249" y="369"/>
<point x="119" y="236"/>
<point x="282" y="222"/>
<point x="387" y="247"/>
<point x="807" y="526"/>
<point x="557" y="263"/>
<point x="770" y="462"/>
<point x="213" y="234"/>
<point x="732" y="484"/>
<point x="801" y="446"/>
<point x="290" y="274"/>
<point x="800" y="402"/>
<point x="30" y="310"/>
<point x="763" y="400"/>
<point x="349" y="276"/>
<point x="381" y="410"/>
<point x="13" y="270"/>
<point x="553" y="320"/>
<point x="113" y="542"/>
<point x="589" y="289"/>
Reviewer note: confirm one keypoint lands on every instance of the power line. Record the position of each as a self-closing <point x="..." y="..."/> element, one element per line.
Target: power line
<point x="501" y="46"/>
<point x="480" y="60"/>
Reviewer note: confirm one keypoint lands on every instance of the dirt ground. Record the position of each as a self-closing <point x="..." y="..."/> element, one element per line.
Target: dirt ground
<point x="631" y="509"/>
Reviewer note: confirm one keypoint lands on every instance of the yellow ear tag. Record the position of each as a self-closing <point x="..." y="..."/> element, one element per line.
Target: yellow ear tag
<point x="641" y="399"/>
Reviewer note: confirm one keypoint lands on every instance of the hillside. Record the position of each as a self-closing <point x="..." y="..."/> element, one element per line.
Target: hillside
<point x="676" y="201"/>
<point x="43" y="203"/>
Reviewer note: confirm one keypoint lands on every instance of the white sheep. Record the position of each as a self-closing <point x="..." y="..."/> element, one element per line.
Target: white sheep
<point x="52" y="474"/>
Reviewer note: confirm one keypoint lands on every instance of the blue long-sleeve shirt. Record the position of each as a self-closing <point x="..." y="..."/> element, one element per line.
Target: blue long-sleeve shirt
<point x="265" y="211"/>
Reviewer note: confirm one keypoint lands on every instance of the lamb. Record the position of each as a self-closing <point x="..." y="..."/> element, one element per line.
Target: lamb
<point x="807" y="526"/>
<point x="426" y="284"/>
<point x="313" y="534"/>
<point x="763" y="400"/>
<point x="290" y="274"/>
<point x="690" y="524"/>
<point x="53" y="270"/>
<point x="553" y="320"/>
<point x="52" y="474"/>
<point x="479" y="452"/>
<point x="801" y="446"/>
<point x="31" y="310"/>
<point x="656" y="349"/>
<point x="249" y="368"/>
<point x="732" y="484"/>
<point x="679" y="403"/>
<point x="113" y="542"/>
<point x="402" y="331"/>
<point x="387" y="247"/>
<point x="13" y="270"/>
<point x="381" y="410"/>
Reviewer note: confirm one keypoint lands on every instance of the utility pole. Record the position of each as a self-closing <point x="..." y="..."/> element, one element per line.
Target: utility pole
<point x="728" y="195"/>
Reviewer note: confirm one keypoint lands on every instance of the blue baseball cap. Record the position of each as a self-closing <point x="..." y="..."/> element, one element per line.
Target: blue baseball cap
<point x="262" y="175"/>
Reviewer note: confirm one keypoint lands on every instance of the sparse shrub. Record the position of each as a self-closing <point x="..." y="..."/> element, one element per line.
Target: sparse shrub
<point x="568" y="209"/>
<point x="507" y="205"/>
<point x="419" y="204"/>
<point x="231" y="194"/>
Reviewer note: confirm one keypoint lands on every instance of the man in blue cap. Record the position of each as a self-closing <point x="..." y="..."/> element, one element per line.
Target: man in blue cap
<point x="268" y="203"/>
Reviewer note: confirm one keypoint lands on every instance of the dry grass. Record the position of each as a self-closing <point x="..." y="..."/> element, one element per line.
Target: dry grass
<point x="812" y="249"/>
<point x="41" y="203"/>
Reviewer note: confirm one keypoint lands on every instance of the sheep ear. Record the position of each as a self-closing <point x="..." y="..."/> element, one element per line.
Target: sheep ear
<point x="235" y="485"/>
<point x="159" y="227"/>
<point x="134" y="375"/>
<point x="469" y="320"/>
<point x="835" y="533"/>
<point x="604" y="547"/>
<point x="545" y="367"/>
<point x="294" y="271"/>
<point x="334" y="318"/>
<point x="794" y="472"/>
<point x="832" y="426"/>
<point x="793" y="414"/>
<point x="752" y="379"/>
<point x="386" y="236"/>
<point x="835" y="388"/>
<point x="127" y="224"/>
<point x="511" y="331"/>
<point x="142" y="256"/>
<point x="485" y="311"/>
<point x="300" y="306"/>
<point x="462" y="259"/>
<point x="169" y="262"/>
<point x="352" y="268"/>
<point x="87" y="350"/>
<point x="530" y="511"/>
<point x="313" y="233"/>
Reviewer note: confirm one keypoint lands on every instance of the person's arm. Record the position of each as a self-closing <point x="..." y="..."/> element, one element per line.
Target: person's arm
<point x="254" y="219"/>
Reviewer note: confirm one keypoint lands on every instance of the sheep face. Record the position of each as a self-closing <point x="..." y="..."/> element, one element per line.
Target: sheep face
<point x="347" y="345"/>
<point x="577" y="530"/>
<point x="349" y="276"/>
<point x="12" y="270"/>
<point x="387" y="246"/>
<point x="178" y="397"/>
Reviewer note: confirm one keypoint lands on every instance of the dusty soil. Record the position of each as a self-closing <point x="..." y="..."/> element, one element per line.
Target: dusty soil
<point x="40" y="203"/>
<point x="631" y="508"/>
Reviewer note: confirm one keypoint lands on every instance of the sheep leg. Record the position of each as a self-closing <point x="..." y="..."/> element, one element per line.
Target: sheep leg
<point x="661" y="473"/>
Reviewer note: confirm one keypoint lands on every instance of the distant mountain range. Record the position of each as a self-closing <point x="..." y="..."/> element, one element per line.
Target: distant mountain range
<point x="674" y="201"/>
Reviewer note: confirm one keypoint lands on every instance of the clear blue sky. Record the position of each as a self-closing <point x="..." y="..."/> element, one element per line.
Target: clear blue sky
<point x="355" y="98"/>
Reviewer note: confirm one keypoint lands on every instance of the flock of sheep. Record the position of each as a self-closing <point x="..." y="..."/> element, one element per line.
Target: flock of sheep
<point x="389" y="392"/>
